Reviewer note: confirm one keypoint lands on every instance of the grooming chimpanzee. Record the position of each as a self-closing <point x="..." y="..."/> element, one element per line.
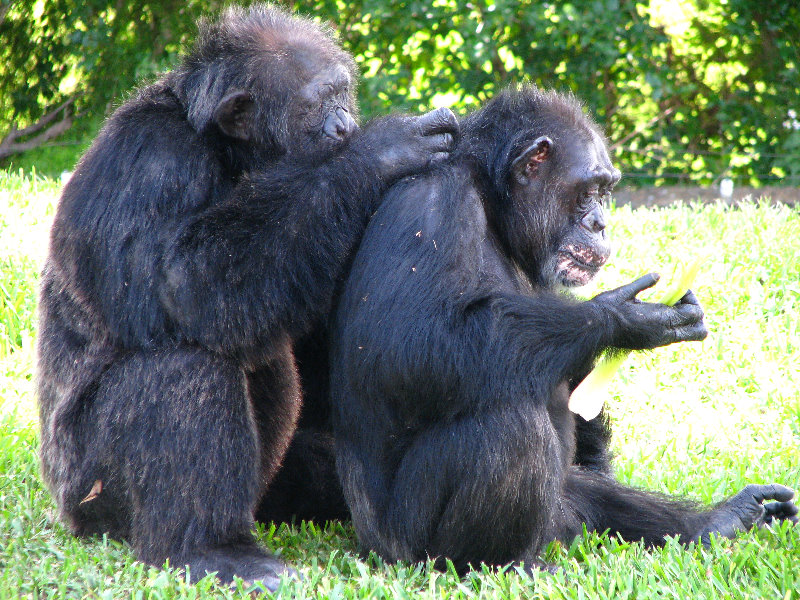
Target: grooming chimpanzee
<point x="454" y="352"/>
<point x="201" y="234"/>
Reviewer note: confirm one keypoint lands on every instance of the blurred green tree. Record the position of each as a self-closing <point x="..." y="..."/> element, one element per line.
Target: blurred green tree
<point x="688" y="90"/>
<point x="61" y="60"/>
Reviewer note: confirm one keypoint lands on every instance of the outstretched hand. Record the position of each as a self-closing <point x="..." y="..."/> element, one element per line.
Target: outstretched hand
<point x="747" y="509"/>
<point x="641" y="325"/>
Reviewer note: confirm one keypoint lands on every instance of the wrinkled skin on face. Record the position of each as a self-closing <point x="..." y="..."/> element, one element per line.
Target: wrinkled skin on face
<point x="582" y="184"/>
<point x="329" y="101"/>
<point x="325" y="110"/>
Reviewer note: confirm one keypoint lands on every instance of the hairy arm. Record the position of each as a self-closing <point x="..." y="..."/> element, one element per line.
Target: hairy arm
<point x="265" y="263"/>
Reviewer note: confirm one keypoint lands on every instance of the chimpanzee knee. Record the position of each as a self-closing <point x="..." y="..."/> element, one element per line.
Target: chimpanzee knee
<point x="169" y="435"/>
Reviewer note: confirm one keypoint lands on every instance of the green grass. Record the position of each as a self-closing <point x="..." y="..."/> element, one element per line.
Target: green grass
<point x="698" y="419"/>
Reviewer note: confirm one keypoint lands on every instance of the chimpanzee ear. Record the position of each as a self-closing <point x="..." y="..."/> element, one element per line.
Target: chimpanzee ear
<point x="526" y="165"/>
<point x="234" y="115"/>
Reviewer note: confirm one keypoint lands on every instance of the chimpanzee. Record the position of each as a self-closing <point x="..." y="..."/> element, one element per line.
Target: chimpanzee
<point x="202" y="233"/>
<point x="454" y="351"/>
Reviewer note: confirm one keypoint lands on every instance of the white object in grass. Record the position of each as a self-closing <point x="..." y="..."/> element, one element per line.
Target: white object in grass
<point x="588" y="398"/>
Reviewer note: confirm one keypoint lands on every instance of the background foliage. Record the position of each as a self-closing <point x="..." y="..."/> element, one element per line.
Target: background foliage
<point x="688" y="90"/>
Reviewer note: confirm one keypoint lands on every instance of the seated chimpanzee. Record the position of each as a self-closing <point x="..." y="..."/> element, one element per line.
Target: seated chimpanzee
<point x="203" y="233"/>
<point x="454" y="351"/>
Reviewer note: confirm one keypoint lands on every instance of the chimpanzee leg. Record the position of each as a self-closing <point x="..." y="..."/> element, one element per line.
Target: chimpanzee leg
<point x="477" y="489"/>
<point x="493" y="488"/>
<point x="274" y="390"/>
<point x="171" y="439"/>
<point x="604" y="504"/>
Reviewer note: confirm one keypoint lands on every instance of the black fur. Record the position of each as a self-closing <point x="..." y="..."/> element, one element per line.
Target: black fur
<point x="453" y="353"/>
<point x="201" y="235"/>
<point x="307" y="486"/>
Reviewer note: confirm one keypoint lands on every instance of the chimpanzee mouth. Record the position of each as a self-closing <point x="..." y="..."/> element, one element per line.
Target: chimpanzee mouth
<point x="577" y="267"/>
<point x="586" y="258"/>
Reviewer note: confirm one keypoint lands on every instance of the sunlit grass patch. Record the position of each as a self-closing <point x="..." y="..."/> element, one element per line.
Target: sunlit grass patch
<point x="699" y="419"/>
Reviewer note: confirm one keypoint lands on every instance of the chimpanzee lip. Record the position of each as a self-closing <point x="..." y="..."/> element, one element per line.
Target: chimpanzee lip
<point x="589" y="266"/>
<point x="574" y="273"/>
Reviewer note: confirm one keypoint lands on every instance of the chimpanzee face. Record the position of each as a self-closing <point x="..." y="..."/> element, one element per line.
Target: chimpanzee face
<point x="564" y="187"/>
<point x="298" y="104"/>
<point x="322" y="114"/>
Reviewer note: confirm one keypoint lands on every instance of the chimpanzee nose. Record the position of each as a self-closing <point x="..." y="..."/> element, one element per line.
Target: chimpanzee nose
<point x="339" y="125"/>
<point x="347" y="124"/>
<point x="594" y="220"/>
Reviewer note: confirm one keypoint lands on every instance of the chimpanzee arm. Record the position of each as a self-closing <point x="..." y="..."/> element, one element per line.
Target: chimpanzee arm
<point x="548" y="338"/>
<point x="562" y="337"/>
<point x="265" y="263"/>
<point x="146" y="170"/>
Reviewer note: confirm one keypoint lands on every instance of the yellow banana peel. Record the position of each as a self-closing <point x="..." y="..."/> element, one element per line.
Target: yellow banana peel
<point x="588" y="398"/>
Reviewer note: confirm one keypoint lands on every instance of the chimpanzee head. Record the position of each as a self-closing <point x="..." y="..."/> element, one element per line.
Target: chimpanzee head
<point x="550" y="175"/>
<point x="267" y="83"/>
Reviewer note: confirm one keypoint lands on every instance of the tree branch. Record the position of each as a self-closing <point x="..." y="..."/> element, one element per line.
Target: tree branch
<point x="41" y="123"/>
<point x="641" y="128"/>
<point x="9" y="145"/>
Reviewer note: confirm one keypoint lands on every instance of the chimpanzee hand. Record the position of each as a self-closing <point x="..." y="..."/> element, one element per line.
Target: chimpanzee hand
<point x="403" y="145"/>
<point x="745" y="510"/>
<point x="638" y="325"/>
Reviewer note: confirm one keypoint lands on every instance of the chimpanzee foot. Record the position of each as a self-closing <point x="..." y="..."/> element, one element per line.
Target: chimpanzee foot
<point x="532" y="566"/>
<point x="539" y="566"/>
<point x="252" y="564"/>
<point x="747" y="509"/>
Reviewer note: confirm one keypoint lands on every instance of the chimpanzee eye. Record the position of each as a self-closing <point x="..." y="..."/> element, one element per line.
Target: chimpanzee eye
<point x="591" y="194"/>
<point x="584" y="201"/>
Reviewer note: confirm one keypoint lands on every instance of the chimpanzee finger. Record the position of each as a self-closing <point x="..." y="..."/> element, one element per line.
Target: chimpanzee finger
<point x="691" y="333"/>
<point x="630" y="290"/>
<point x="438" y="157"/>
<point x="441" y="142"/>
<point x="686" y="314"/>
<point x="771" y="491"/>
<point x="441" y="120"/>
<point x="689" y="298"/>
